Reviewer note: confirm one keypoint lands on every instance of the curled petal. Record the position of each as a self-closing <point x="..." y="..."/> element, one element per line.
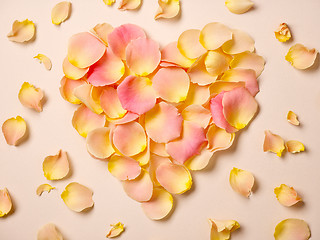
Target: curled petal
<point x="121" y="36"/>
<point x="14" y="130"/>
<point x="158" y="149"/>
<point x="301" y="57"/>
<point x="189" y="45"/>
<point x="171" y="84"/>
<point x="286" y="195"/>
<point x="139" y="189"/>
<point x="283" y="33"/>
<point x="222" y="86"/>
<point x="45" y="60"/>
<point x="129" y="4"/>
<point x="73" y="72"/>
<point x="49" y="232"/>
<point x="84" y="120"/>
<point x="216" y="63"/>
<point x="273" y="143"/>
<point x="171" y="54"/>
<point x="214" y="35"/>
<point x="197" y="114"/>
<point x="56" y="167"/>
<point x="197" y="95"/>
<point x="130" y="138"/>
<point x="128" y="117"/>
<point x="102" y="30"/>
<point x="239" y="6"/>
<point x="31" y="96"/>
<point x="22" y="31"/>
<point x="110" y="103"/>
<point x="5" y="202"/>
<point x="218" y="138"/>
<point x="124" y="168"/>
<point x="99" y="143"/>
<point x="222" y="229"/>
<point x="60" y="12"/>
<point x="294" y="146"/>
<point x="136" y="94"/>
<point x="292" y="229"/>
<point x="240" y="42"/>
<point x="241" y="181"/>
<point x="248" y="60"/>
<point x="189" y="144"/>
<point x="143" y="56"/>
<point x="200" y="161"/>
<point x="293" y="118"/>
<point x="89" y="95"/>
<point x="176" y="179"/>
<point x="159" y="206"/>
<point x="84" y="49"/>
<point x="116" y="230"/>
<point x="155" y="162"/>
<point x="109" y="2"/>
<point x="167" y="9"/>
<point x="67" y="87"/>
<point x="44" y="188"/>
<point x="163" y="123"/>
<point x="77" y="197"/>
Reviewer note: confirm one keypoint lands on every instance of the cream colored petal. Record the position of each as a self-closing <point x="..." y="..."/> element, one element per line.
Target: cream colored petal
<point x="197" y="114"/>
<point x="56" y="167"/>
<point x="294" y="146"/>
<point x="109" y="2"/>
<point x="223" y="86"/>
<point x="293" y="118"/>
<point x="45" y="60"/>
<point x="116" y="230"/>
<point x="110" y="103"/>
<point x="129" y="4"/>
<point x="5" y="202"/>
<point x="171" y="54"/>
<point x="14" y="130"/>
<point x="60" y="12"/>
<point x="155" y="162"/>
<point x="292" y="229"/>
<point x="283" y="33"/>
<point x="44" y="188"/>
<point x="73" y="72"/>
<point x="239" y="6"/>
<point x="214" y="35"/>
<point x="301" y="57"/>
<point x="67" y="87"/>
<point x="273" y="143"/>
<point x="216" y="63"/>
<point x="248" y="60"/>
<point x="77" y="197"/>
<point x="189" y="45"/>
<point x="49" y="232"/>
<point x="200" y="161"/>
<point x="22" y="31"/>
<point x="31" y="96"/>
<point x="158" y="149"/>
<point x="124" y="168"/>
<point x="241" y="42"/>
<point x="197" y="95"/>
<point x="99" y="143"/>
<point x="144" y="157"/>
<point x="241" y="181"/>
<point x="218" y="138"/>
<point x="89" y="96"/>
<point x="222" y="229"/>
<point x="167" y="9"/>
<point x="102" y="30"/>
<point x="286" y="195"/>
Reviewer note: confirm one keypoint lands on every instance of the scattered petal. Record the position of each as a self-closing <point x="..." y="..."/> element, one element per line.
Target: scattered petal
<point x="286" y="195"/>
<point x="200" y="161"/>
<point x="90" y="96"/>
<point x="22" y="31"/>
<point x="301" y="57"/>
<point x="171" y="54"/>
<point x="189" y="45"/>
<point x="44" y="188"/>
<point x="214" y="35"/>
<point x="45" y="60"/>
<point x="218" y="138"/>
<point x="31" y="96"/>
<point x="13" y="130"/>
<point x="129" y="4"/>
<point x="99" y="143"/>
<point x="241" y="42"/>
<point x="110" y="103"/>
<point x="49" y="232"/>
<point x="109" y="2"/>
<point x="116" y="230"/>
<point x="56" y="167"/>
<point x="216" y="63"/>
<point x="221" y="229"/>
<point x="102" y="30"/>
<point x="293" y="118"/>
<point x="124" y="168"/>
<point x="67" y="87"/>
<point x="197" y="114"/>
<point x="77" y="197"/>
<point x="73" y="72"/>
<point x="294" y="146"/>
<point x="167" y="9"/>
<point x="5" y="202"/>
<point x="239" y="6"/>
<point x="248" y="60"/>
<point x="241" y="181"/>
<point x="283" y="33"/>
<point x="292" y="229"/>
<point x="273" y="143"/>
<point x="60" y="12"/>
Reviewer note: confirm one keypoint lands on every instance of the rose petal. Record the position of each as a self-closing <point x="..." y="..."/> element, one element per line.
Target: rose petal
<point x="222" y="86"/>
<point x="301" y="57"/>
<point x="116" y="230"/>
<point x="216" y="63"/>
<point x="218" y="138"/>
<point x="5" y="202"/>
<point x="197" y="114"/>
<point x="56" y="167"/>
<point x="283" y="33"/>
<point x="214" y="35"/>
<point x="171" y="84"/>
<point x="292" y="229"/>
<point x="241" y="42"/>
<point x="128" y="117"/>
<point x="222" y="229"/>
<point x="124" y="168"/>
<point x="158" y="149"/>
<point x="77" y="197"/>
<point x="200" y="161"/>
<point x="139" y="189"/>
<point x="176" y="179"/>
<point x="84" y="49"/>
<point x="44" y="188"/>
<point x="286" y="195"/>
<point x="167" y="9"/>
<point x="130" y="138"/>
<point x="60" y="12"/>
<point x="49" y="232"/>
<point x="248" y="60"/>
<point x="108" y="70"/>
<point x="67" y="87"/>
<point x="22" y="31"/>
<point x="110" y="103"/>
<point x="155" y="162"/>
<point x="45" y="60"/>
<point x="144" y="157"/>
<point x="189" y="45"/>
<point x="136" y="94"/>
<point x="102" y="30"/>
<point x="171" y="54"/>
<point x="241" y="181"/>
<point x="239" y="6"/>
<point x="121" y="36"/>
<point x="197" y="95"/>
<point x="293" y="118"/>
<point x="273" y="143"/>
<point x="189" y="144"/>
<point x="99" y="143"/>
<point x="159" y="206"/>
<point x="89" y="95"/>
<point x="109" y="2"/>
<point x="84" y="120"/>
<point x="31" y="96"/>
<point x="163" y="123"/>
<point x="73" y="72"/>
<point x="13" y="130"/>
<point x="129" y="4"/>
<point x="294" y="146"/>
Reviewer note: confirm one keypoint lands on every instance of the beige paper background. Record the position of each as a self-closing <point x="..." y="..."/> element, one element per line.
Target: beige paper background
<point x="283" y="88"/>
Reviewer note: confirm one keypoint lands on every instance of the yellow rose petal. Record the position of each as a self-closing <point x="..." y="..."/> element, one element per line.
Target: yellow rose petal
<point x="248" y="60"/>
<point x="57" y="166"/>
<point x="241" y="181"/>
<point x="116" y="230"/>
<point x="31" y="96"/>
<point x="49" y="232"/>
<point x="293" y="118"/>
<point x="283" y="33"/>
<point x="129" y="4"/>
<point x="294" y="146"/>
<point x="214" y="35"/>
<point x="14" y="129"/>
<point x="301" y="57"/>
<point x="102" y="30"/>
<point x="273" y="143"/>
<point x="200" y="161"/>
<point x="218" y="138"/>
<point x="22" y="31"/>
<point x="222" y="229"/>
<point x="239" y="6"/>
<point x="286" y="195"/>
<point x="292" y="229"/>
<point x="99" y="143"/>
<point x="124" y="168"/>
<point x="45" y="60"/>
<point x="241" y="42"/>
<point x="60" y="12"/>
<point x="167" y="9"/>
<point x="189" y="45"/>
<point x="109" y="2"/>
<point x="44" y="188"/>
<point x="67" y="87"/>
<point x="90" y="96"/>
<point x="5" y="202"/>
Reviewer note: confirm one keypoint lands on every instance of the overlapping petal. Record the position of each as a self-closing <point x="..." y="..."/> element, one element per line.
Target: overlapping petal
<point x="128" y="117"/>
<point x="124" y="168"/>
<point x="218" y="138"/>
<point x="44" y="188"/>
<point x="129" y="4"/>
<point x="197" y="95"/>
<point x="171" y="54"/>
<point x="197" y="114"/>
<point x="143" y="158"/>
<point x="200" y="161"/>
<point x="167" y="9"/>
<point x="5" y="202"/>
<point x="14" y="129"/>
<point x="283" y="33"/>
<point x="241" y="181"/>
<point x="216" y="63"/>
<point x="301" y="57"/>
<point x="286" y="195"/>
<point x="56" y="167"/>
<point x="67" y="87"/>
<point x="248" y="60"/>
<point x="99" y="143"/>
<point x="239" y="6"/>
<point x="292" y="229"/>
<point x="294" y="146"/>
<point x="90" y="96"/>
<point x="273" y="143"/>
<point x="23" y="31"/>
<point x="293" y="118"/>
<point x="241" y="42"/>
<point x="155" y="162"/>
<point x="60" y="12"/>
<point x="110" y="103"/>
<point x="116" y="230"/>
<point x="45" y="60"/>
<point x="102" y="30"/>
<point x="31" y="97"/>
<point x="222" y="229"/>
<point x="220" y="86"/>
<point x="49" y="232"/>
<point x="214" y="35"/>
<point x="73" y="72"/>
<point x="189" y="45"/>
<point x="158" y="149"/>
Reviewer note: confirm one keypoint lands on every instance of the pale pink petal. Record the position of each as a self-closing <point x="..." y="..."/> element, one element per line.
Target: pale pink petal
<point x="155" y="162"/>
<point x="116" y="230"/>
<point x="90" y="96"/>
<point x="60" y="12"/>
<point x="44" y="188"/>
<point x="5" y="202"/>
<point x="102" y="30"/>
<point x="22" y="31"/>
<point x="248" y="60"/>
<point x="241" y="42"/>
<point x="128" y="117"/>
<point x="110" y="103"/>
<point x="197" y="95"/>
<point x="218" y="138"/>
<point x="56" y="167"/>
<point x="14" y="129"/>
<point x="189" y="45"/>
<point x="222" y="229"/>
<point x="241" y="181"/>
<point x="67" y="87"/>
<point x="239" y="6"/>
<point x="294" y="146"/>
<point x="273" y="143"/>
<point x="293" y="118"/>
<point x="99" y="143"/>
<point x="222" y="86"/>
<point x="49" y="232"/>
<point x="286" y="195"/>
<point x="124" y="168"/>
<point x="31" y="97"/>
<point x="283" y="33"/>
<point x="73" y="72"/>
<point x="171" y="54"/>
<point x="158" y="149"/>
<point x="200" y="161"/>
<point x="301" y="57"/>
<point x="197" y="114"/>
<point x="167" y="9"/>
<point x="45" y="60"/>
<point x="216" y="63"/>
<point x="292" y="229"/>
<point x="129" y="4"/>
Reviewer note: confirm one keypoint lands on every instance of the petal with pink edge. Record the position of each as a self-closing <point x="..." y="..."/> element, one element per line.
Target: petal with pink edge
<point x="14" y="129"/>
<point x="241" y="42"/>
<point x="222" y="86"/>
<point x="129" y="4"/>
<point x="45" y="60"/>
<point x="89" y="95"/>
<point x="73" y="72"/>
<point x="5" y="202"/>
<point x="49" y="232"/>
<point x="99" y="143"/>
<point x="239" y="6"/>
<point x="60" y="12"/>
<point x="292" y="229"/>
<point x="167" y="9"/>
<point x="197" y="114"/>
<point x="102" y="30"/>
<point x="293" y="118"/>
<point x="171" y="54"/>
<point x="110" y="103"/>
<point x="67" y="87"/>
<point x="23" y="31"/>
<point x="44" y="188"/>
<point x="189" y="45"/>
<point x="301" y="57"/>
<point x="248" y="60"/>
<point x="286" y="195"/>
<point x="116" y="230"/>
<point x="155" y="162"/>
<point x="56" y="167"/>
<point x="200" y="161"/>
<point x="241" y="181"/>
<point x="222" y="229"/>
<point x="294" y="146"/>
<point x="273" y="143"/>
<point x="218" y="138"/>
<point x="124" y="168"/>
<point x="31" y="97"/>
